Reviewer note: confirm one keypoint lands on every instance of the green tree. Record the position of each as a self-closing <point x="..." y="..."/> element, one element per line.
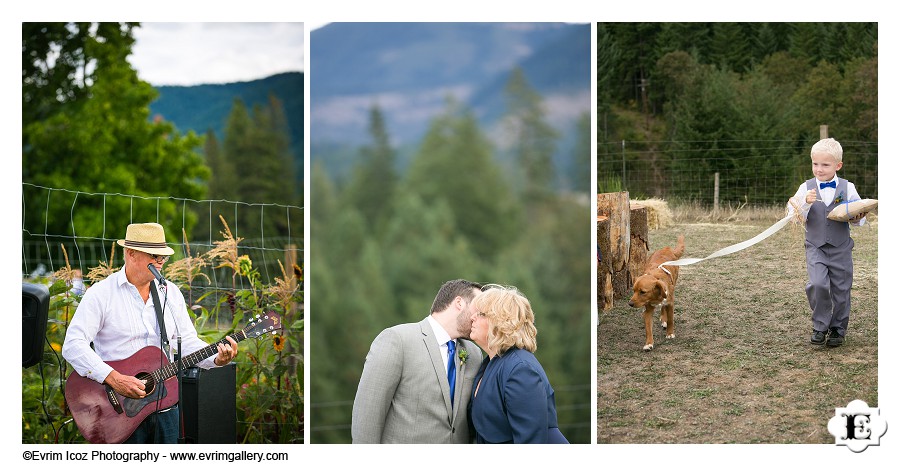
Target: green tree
<point x="765" y="42"/>
<point x="637" y="45"/>
<point x="257" y="145"/>
<point x="86" y="126"/>
<point x="533" y="140"/>
<point x="607" y="60"/>
<point x="807" y="41"/>
<point x="730" y="48"/>
<point x="422" y="251"/>
<point x="223" y="179"/>
<point x="374" y="179"/>
<point x="455" y="164"/>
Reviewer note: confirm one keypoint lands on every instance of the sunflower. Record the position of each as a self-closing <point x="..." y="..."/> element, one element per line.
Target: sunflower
<point x="278" y="342"/>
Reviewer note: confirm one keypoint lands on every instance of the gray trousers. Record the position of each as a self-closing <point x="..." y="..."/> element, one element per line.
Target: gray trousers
<point x="830" y="270"/>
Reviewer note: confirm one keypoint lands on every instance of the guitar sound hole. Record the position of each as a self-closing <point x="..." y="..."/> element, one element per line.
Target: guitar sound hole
<point x="149" y="383"/>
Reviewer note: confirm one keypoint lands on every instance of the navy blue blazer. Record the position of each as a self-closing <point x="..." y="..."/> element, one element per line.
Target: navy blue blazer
<point x="515" y="402"/>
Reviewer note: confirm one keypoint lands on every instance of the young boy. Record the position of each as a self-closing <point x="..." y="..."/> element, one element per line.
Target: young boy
<point x="829" y="259"/>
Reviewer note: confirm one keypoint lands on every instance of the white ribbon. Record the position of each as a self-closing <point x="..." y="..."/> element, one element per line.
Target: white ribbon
<point x="735" y="247"/>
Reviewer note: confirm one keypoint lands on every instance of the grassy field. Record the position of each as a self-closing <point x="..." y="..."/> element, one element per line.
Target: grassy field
<point x="741" y="368"/>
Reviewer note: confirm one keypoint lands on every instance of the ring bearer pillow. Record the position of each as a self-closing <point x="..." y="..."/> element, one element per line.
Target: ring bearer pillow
<point x="847" y="210"/>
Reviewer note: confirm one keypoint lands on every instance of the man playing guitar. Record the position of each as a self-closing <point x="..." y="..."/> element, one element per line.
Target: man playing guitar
<point x="118" y="316"/>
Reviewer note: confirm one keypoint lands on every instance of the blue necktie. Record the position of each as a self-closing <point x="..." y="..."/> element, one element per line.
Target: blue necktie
<point x="451" y="368"/>
<point x="830" y="184"/>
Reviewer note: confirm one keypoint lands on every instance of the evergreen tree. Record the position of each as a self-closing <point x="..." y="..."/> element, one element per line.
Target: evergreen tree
<point x="693" y="38"/>
<point x="422" y="250"/>
<point x="807" y="42"/>
<point x="223" y="179"/>
<point x="765" y="43"/>
<point x="637" y="44"/>
<point x="730" y="48"/>
<point x="257" y="146"/>
<point x="533" y="140"/>
<point x="608" y="56"/>
<point x="455" y="164"/>
<point x="373" y="182"/>
<point x="861" y="42"/>
<point x="323" y="202"/>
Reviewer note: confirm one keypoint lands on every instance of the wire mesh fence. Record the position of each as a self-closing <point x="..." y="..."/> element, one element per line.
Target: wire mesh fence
<point x="61" y="226"/>
<point x="753" y="172"/>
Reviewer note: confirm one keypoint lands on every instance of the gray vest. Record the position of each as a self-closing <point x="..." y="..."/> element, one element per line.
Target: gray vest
<point x="820" y="230"/>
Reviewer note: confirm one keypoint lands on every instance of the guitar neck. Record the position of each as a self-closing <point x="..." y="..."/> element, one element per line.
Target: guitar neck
<point x="170" y="370"/>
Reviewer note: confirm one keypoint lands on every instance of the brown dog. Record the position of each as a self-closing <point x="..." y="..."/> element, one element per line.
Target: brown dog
<point x="656" y="289"/>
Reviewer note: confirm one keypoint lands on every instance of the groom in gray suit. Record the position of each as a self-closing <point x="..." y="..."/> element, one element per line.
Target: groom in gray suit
<point x="405" y="393"/>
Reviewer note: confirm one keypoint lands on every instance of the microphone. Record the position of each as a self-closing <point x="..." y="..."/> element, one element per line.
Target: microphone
<point x="156" y="274"/>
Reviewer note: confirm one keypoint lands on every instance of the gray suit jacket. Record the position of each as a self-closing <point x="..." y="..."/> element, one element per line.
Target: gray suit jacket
<point x="403" y="394"/>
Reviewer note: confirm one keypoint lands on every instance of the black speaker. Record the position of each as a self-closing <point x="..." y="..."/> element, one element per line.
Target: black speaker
<point x="35" y="305"/>
<point x="210" y="406"/>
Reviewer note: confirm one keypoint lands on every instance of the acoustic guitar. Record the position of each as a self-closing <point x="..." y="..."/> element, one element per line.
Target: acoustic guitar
<point x="104" y="416"/>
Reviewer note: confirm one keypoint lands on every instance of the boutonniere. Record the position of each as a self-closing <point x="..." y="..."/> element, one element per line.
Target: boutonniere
<point x="839" y="198"/>
<point x="463" y="355"/>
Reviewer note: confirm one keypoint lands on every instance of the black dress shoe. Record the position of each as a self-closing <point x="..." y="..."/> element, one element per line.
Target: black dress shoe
<point x="818" y="338"/>
<point x="835" y="339"/>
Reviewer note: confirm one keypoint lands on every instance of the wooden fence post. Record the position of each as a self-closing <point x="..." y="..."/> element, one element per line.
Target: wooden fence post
<point x="716" y="196"/>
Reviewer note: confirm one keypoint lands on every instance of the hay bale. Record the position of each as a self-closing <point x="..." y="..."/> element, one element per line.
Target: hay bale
<point x="658" y="213"/>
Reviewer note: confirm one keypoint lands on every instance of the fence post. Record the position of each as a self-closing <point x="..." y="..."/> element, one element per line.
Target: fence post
<point x="623" y="165"/>
<point x="823" y="131"/>
<point x="716" y="195"/>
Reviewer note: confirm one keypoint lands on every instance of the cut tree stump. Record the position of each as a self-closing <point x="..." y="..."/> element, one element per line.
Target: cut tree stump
<point x="604" y="274"/>
<point x="640" y="242"/>
<point x="615" y="207"/>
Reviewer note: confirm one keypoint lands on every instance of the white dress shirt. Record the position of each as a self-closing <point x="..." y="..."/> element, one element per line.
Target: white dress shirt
<point x="116" y="319"/>
<point x="826" y="195"/>
<point x="442" y="338"/>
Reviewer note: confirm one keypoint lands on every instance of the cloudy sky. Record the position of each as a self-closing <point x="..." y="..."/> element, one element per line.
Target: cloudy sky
<point x="212" y="53"/>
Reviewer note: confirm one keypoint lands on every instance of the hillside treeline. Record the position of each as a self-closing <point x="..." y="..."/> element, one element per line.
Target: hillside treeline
<point x="385" y="241"/>
<point x="678" y="102"/>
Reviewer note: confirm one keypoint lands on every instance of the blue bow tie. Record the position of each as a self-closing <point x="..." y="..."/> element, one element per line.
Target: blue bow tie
<point x="830" y="184"/>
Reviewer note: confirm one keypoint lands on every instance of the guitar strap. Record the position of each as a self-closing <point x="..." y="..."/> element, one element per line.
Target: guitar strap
<point x="160" y="319"/>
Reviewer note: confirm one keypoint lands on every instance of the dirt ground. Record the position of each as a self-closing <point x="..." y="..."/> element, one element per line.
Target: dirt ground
<point x="741" y="368"/>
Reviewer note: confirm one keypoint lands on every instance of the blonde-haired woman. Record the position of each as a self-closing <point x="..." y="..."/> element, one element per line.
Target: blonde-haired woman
<point x="512" y="401"/>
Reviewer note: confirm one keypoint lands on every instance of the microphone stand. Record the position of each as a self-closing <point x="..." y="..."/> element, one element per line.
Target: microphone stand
<point x="180" y="366"/>
<point x="178" y="362"/>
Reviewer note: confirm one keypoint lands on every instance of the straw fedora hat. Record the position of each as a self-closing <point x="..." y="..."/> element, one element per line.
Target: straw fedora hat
<point x="146" y="237"/>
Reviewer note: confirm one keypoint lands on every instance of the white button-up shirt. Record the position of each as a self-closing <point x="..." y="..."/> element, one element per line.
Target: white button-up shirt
<point x="116" y="319"/>
<point x="442" y="338"/>
<point x="827" y="196"/>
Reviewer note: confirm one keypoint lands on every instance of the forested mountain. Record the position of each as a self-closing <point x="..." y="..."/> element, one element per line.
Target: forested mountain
<point x="207" y="106"/>
<point x="678" y="102"/>
<point x="410" y="70"/>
